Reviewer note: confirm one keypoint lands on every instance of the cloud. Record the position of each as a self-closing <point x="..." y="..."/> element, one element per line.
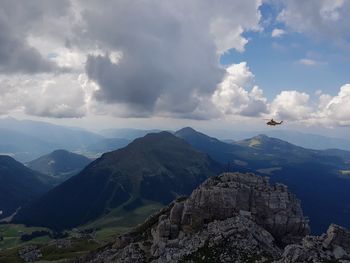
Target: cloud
<point x="18" y="19"/>
<point x="154" y="58"/>
<point x="336" y="109"/>
<point x="232" y="97"/>
<point x="307" y="62"/>
<point x="61" y="97"/>
<point x="330" y="111"/>
<point x="326" y="19"/>
<point x="140" y="64"/>
<point x="291" y="105"/>
<point x="170" y="62"/>
<point x="277" y="32"/>
<point x="311" y="62"/>
<point x="17" y="57"/>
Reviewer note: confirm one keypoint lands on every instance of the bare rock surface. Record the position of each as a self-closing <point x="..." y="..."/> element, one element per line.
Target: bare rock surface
<point x="334" y="246"/>
<point x="230" y="218"/>
<point x="272" y="207"/>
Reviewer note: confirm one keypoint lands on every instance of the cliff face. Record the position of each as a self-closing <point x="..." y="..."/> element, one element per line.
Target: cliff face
<point x="272" y="207"/>
<point x="230" y="218"/>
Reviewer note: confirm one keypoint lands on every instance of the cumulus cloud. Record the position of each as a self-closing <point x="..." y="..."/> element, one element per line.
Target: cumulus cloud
<point x="335" y="109"/>
<point x="141" y="64"/>
<point x="277" y="32"/>
<point x="291" y="105"/>
<point x="232" y="96"/>
<point x="297" y="106"/>
<point x="321" y="18"/>
<point x="170" y="62"/>
<point x="61" y="97"/>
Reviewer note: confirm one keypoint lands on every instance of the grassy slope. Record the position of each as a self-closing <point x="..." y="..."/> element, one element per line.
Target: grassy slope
<point x="119" y="221"/>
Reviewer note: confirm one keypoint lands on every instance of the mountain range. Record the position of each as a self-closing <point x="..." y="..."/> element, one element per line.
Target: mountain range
<point x="161" y="166"/>
<point x="158" y="167"/>
<point x="26" y="140"/>
<point x="299" y="138"/>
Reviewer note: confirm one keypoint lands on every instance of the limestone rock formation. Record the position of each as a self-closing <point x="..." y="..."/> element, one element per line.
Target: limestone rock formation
<point x="272" y="207"/>
<point x="230" y="218"/>
<point x="334" y="246"/>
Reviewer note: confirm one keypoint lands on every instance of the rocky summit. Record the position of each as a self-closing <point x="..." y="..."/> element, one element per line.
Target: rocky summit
<point x="230" y="218"/>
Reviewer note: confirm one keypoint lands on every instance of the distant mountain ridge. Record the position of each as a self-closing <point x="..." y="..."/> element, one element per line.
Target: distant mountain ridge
<point x="303" y="139"/>
<point x="311" y="141"/>
<point x="320" y="178"/>
<point x="60" y="164"/>
<point x="157" y="167"/>
<point x="26" y="140"/>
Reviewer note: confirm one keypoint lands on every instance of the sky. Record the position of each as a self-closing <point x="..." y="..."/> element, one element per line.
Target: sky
<point x="167" y="64"/>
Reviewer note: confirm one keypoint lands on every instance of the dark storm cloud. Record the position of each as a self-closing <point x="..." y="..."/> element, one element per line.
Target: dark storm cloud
<point x="16" y="56"/>
<point x="17" y="20"/>
<point x="120" y="84"/>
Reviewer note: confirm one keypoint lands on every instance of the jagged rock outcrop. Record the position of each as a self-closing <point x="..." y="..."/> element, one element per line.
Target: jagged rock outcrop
<point x="334" y="246"/>
<point x="230" y="218"/>
<point x="272" y="207"/>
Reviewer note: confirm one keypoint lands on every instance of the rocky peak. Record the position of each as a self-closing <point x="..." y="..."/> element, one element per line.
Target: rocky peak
<point x="218" y="198"/>
<point x="230" y="218"/>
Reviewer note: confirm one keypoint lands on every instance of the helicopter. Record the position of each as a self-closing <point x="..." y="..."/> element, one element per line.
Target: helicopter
<point x="272" y="122"/>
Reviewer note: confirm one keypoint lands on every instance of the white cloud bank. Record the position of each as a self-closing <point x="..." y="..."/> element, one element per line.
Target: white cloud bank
<point x="237" y="95"/>
<point x="61" y="97"/>
<point x="153" y="58"/>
